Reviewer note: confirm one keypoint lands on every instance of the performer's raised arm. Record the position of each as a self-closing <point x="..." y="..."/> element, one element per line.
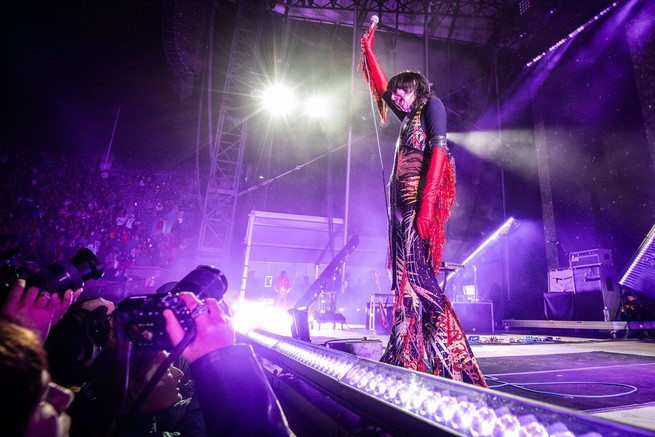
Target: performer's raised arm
<point x="372" y="70"/>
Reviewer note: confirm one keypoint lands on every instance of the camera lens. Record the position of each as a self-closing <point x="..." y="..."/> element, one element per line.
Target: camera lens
<point x="205" y="281"/>
<point x="69" y="274"/>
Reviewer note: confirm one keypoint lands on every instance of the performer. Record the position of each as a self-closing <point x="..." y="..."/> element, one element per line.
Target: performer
<point x="426" y="334"/>
<point x="282" y="286"/>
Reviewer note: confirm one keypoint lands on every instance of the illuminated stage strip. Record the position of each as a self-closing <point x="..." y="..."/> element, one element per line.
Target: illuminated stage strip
<point x="640" y="274"/>
<point x="503" y="230"/>
<point x="402" y="402"/>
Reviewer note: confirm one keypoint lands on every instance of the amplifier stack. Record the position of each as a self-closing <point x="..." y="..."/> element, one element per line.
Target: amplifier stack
<point x="591" y="257"/>
<point x="595" y="284"/>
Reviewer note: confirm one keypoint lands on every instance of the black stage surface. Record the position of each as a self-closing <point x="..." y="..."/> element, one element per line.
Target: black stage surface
<point x="588" y="381"/>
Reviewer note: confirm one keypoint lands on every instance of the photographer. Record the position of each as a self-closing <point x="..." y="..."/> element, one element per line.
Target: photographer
<point x="41" y="300"/>
<point x="108" y="396"/>
<point x="234" y="394"/>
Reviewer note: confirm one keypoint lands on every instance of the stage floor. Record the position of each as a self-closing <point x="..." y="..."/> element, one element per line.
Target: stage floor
<point x="621" y="367"/>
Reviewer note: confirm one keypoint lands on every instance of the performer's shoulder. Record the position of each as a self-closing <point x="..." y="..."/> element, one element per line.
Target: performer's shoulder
<point x="434" y="100"/>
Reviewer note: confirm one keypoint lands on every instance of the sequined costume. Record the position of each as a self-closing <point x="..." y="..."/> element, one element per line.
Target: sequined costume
<point x="426" y="334"/>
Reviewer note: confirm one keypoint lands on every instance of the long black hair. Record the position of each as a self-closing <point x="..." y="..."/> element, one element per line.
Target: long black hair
<point x="412" y="81"/>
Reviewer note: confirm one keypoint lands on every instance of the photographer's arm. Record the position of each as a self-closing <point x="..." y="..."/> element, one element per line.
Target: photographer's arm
<point x="234" y="394"/>
<point x="35" y="309"/>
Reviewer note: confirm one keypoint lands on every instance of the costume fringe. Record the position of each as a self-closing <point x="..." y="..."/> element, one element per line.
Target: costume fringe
<point x="373" y="87"/>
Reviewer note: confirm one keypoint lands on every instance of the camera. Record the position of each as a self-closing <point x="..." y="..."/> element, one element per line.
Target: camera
<point x="57" y="277"/>
<point x="140" y="317"/>
<point x="68" y="274"/>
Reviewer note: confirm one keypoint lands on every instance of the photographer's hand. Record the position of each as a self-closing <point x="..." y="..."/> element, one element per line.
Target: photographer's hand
<point x="61" y="305"/>
<point x="214" y="330"/>
<point x="35" y="309"/>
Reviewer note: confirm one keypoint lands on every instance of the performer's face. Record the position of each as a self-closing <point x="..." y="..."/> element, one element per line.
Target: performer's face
<point x="403" y="99"/>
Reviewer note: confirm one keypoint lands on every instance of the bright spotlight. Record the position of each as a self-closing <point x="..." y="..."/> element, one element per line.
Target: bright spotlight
<point x="247" y="315"/>
<point x="279" y="99"/>
<point x="257" y="95"/>
<point x="317" y="106"/>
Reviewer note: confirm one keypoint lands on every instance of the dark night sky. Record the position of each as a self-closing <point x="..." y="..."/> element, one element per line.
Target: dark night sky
<point x="70" y="65"/>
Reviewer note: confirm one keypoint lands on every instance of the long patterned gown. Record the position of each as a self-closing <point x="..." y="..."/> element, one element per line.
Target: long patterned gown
<point x="426" y="334"/>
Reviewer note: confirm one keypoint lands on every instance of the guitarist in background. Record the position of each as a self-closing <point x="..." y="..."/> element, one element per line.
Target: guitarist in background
<point x="282" y="286"/>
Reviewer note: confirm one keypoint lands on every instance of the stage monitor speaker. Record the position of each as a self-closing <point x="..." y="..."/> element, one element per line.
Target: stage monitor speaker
<point x="596" y="287"/>
<point x="476" y="318"/>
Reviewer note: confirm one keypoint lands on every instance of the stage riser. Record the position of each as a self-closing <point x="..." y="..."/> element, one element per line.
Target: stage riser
<point x="574" y="325"/>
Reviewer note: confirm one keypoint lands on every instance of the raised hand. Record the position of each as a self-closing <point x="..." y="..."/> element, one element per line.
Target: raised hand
<point x="214" y="330"/>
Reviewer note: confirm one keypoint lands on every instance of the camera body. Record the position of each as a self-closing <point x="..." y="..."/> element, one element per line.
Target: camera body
<point x="141" y="317"/>
<point x="142" y="321"/>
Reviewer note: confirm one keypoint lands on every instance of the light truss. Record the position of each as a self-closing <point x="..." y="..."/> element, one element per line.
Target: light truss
<point x="226" y="149"/>
<point x="463" y="21"/>
<point x="468" y="8"/>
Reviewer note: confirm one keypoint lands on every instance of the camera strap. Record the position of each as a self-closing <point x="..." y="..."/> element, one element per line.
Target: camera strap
<point x="152" y="383"/>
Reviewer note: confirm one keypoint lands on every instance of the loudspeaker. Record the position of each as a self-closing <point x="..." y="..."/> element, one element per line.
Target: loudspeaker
<point x="476" y="318"/>
<point x="596" y="287"/>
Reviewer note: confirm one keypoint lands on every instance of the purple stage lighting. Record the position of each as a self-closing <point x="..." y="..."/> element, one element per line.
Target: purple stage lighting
<point x="510" y="224"/>
<point x="571" y="35"/>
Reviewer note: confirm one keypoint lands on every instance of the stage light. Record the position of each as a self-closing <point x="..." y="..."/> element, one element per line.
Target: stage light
<point x="571" y="35"/>
<point x="248" y="315"/>
<point x="300" y="324"/>
<point x="317" y="106"/>
<point x="509" y="224"/>
<point x="257" y="95"/>
<point x="397" y="399"/>
<point x="279" y="100"/>
<point x="640" y="273"/>
<point x="524" y="6"/>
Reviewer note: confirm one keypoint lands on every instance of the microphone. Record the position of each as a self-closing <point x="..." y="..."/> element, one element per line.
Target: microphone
<point x="374" y="22"/>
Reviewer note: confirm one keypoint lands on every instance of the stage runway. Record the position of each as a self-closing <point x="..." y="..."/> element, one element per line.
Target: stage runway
<point x="613" y="378"/>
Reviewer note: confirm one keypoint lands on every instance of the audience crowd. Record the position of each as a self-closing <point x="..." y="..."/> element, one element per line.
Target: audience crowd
<point x="67" y="361"/>
<point x="52" y="204"/>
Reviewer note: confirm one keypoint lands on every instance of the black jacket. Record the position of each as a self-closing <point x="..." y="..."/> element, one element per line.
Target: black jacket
<point x="235" y="396"/>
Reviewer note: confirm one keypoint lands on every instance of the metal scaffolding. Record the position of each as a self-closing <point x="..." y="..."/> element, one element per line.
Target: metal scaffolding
<point x="227" y="141"/>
